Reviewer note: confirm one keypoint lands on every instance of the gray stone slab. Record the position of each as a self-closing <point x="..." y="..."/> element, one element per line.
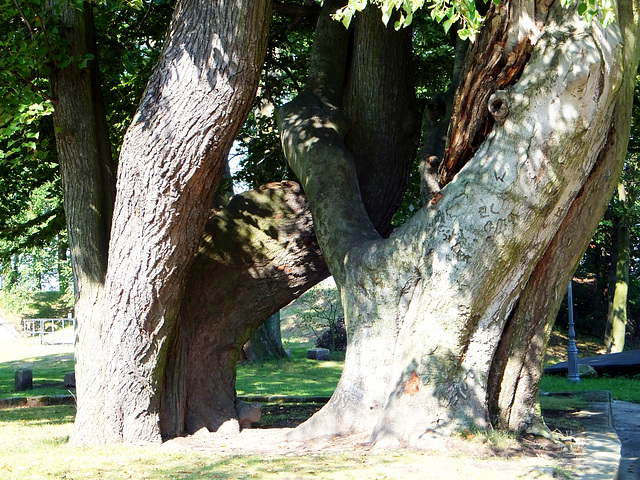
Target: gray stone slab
<point x="23" y="379"/>
<point x="626" y="421"/>
<point x="624" y="363"/>
<point x="318" y="353"/>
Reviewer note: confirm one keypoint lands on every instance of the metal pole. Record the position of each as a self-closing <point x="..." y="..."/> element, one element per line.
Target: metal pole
<point x="572" y="349"/>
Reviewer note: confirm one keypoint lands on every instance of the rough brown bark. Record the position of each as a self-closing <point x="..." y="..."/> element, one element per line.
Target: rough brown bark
<point x="88" y="177"/>
<point x="172" y="157"/>
<point x="84" y="152"/>
<point x="384" y="135"/>
<point x="495" y="62"/>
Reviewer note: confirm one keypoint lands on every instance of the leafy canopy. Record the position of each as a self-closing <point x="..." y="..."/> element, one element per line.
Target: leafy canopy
<point x="464" y="12"/>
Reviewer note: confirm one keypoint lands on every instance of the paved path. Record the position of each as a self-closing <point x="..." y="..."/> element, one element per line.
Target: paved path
<point x="626" y="421"/>
<point x="7" y="330"/>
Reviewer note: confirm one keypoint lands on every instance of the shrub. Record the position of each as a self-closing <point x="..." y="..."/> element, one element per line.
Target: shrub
<point x="334" y="338"/>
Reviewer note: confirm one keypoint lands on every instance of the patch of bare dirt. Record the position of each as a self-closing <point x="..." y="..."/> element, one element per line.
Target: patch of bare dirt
<point x="526" y="457"/>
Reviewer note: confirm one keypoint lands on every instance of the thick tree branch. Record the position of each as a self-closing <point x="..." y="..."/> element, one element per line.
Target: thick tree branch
<point x="312" y="138"/>
<point x="258" y="254"/>
<point x="328" y="61"/>
<point x="40" y="219"/>
<point x="380" y="102"/>
<point x="312" y="129"/>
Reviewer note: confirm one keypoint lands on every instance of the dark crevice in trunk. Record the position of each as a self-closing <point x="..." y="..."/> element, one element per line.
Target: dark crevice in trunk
<point x="497" y="371"/>
<point x="493" y="67"/>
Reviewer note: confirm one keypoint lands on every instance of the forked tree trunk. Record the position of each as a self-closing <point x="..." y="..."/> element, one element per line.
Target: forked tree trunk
<point x="427" y="309"/>
<point x="270" y="263"/>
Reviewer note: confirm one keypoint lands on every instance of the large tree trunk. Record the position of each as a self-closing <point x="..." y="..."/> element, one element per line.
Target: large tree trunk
<point x="88" y="179"/>
<point x="172" y="158"/>
<point x="266" y="342"/>
<point x="431" y="311"/>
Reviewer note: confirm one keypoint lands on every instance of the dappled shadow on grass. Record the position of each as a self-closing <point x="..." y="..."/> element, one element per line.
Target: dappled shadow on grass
<point x="557" y="347"/>
<point x="51" y="415"/>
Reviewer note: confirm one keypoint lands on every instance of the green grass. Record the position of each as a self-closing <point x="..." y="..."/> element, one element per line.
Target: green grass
<point x="49" y="364"/>
<point x="34" y="441"/>
<point x="295" y="376"/>
<point x="561" y="403"/>
<point x="34" y="446"/>
<point x="622" y="388"/>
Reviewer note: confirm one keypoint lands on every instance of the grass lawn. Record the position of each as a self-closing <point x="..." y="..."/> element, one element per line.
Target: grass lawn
<point x="622" y="388"/>
<point x="34" y="446"/>
<point x="295" y="376"/>
<point x="34" y="441"/>
<point x="49" y="363"/>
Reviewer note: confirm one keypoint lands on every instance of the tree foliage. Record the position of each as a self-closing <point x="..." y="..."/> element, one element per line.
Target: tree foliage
<point x="463" y="12"/>
<point x="130" y="36"/>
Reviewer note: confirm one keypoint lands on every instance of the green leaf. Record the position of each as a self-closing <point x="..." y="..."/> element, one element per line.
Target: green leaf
<point x="464" y="33"/>
<point x="85" y="60"/>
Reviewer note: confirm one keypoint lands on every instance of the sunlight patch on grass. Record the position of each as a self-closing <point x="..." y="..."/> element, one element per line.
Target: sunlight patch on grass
<point x="622" y="388"/>
<point x="298" y="376"/>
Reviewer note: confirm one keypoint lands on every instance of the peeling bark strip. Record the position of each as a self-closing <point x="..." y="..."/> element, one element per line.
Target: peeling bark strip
<point x="471" y="254"/>
<point x="495" y="65"/>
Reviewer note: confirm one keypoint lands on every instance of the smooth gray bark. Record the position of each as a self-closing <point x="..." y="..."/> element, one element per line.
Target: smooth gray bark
<point x="426" y="309"/>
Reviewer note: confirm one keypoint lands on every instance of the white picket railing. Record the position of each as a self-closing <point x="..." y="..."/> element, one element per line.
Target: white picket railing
<point x="51" y="331"/>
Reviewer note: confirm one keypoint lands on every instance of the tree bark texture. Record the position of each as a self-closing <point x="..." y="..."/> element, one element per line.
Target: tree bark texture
<point x="437" y="310"/>
<point x="258" y="254"/>
<point x="171" y="160"/>
<point x="84" y="152"/>
<point x="517" y="368"/>
<point x="384" y="134"/>
<point x="88" y="177"/>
